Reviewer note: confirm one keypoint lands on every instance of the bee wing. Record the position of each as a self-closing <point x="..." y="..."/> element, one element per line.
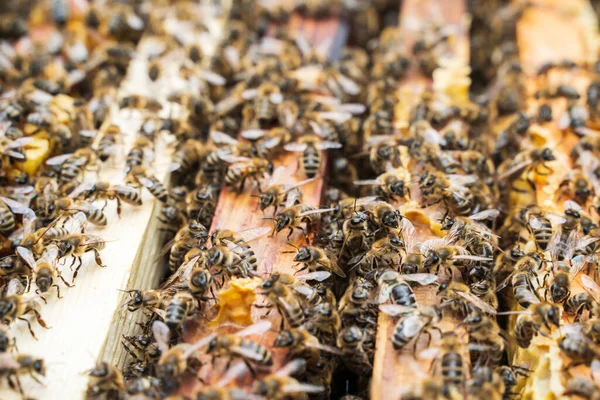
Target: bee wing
<point x="395" y="309"/>
<point x="297" y="147"/>
<point x="198" y="345"/>
<point x="556" y="219"/>
<point x="292" y="197"/>
<point x="135" y="22"/>
<point x="276" y="98"/>
<point x="14" y="154"/>
<point x="591" y="286"/>
<point x="8" y="362"/>
<point x="352" y="108"/>
<point x="234" y="372"/>
<point x="145" y="181"/>
<point x="51" y="254"/>
<point x="249" y="94"/>
<point x="58" y="160"/>
<point x="486" y="214"/>
<point x="367" y="182"/>
<point x="83" y="187"/>
<point x="16" y="207"/>
<point x="75" y="223"/>
<point x="577" y="265"/>
<point x="517" y="168"/>
<point x="348" y="84"/>
<point x="93" y="239"/>
<point x="227" y="104"/>
<point x="291" y="186"/>
<point x="471" y="258"/>
<point x="318" y="211"/>
<point x="231" y="159"/>
<point x="291" y="368"/>
<point x="535" y="222"/>
<point x="253" y="134"/>
<point x="336" y="116"/>
<point x="505" y="282"/>
<point x="325" y="145"/>
<point x="27" y="255"/>
<point x="572" y="205"/>
<point x="462" y="181"/>
<point x="14" y="287"/>
<point x="384" y="293"/>
<point x="212" y="77"/>
<point x="88" y="133"/>
<point x="247" y="353"/>
<point x="162" y="335"/>
<point x="337" y="270"/>
<point x="271" y="143"/>
<point x="433" y="136"/>
<point x="412" y="325"/>
<point x="318" y="276"/>
<point x="477" y="302"/>
<point x="253" y="233"/>
<point x="255" y="329"/>
<point x="232" y="56"/>
<point x="421" y="279"/>
<point x="222" y="138"/>
<point x="19" y="142"/>
<point x="302" y="388"/>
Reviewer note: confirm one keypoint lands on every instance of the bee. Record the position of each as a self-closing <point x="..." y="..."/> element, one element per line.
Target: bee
<point x="393" y="185"/>
<point x="521" y="278"/>
<point x="413" y="261"/>
<point x="325" y="321"/>
<point x="413" y="322"/>
<point x="439" y="253"/>
<point x="45" y="273"/>
<point x="264" y="103"/>
<point x="243" y="168"/>
<point x="460" y="299"/>
<point x="276" y="194"/>
<point x="73" y="165"/>
<point x="176" y="360"/>
<point x="384" y="153"/>
<point x="239" y="243"/>
<point x="451" y="363"/>
<point x="310" y="147"/>
<point x="383" y="252"/>
<point x="300" y="343"/>
<point x="68" y="206"/>
<point x="486" y="345"/>
<point x="178" y="309"/>
<point x="220" y="390"/>
<point x="13" y="306"/>
<point x="291" y="217"/>
<point x="316" y="259"/>
<point x="533" y="321"/>
<point x="356" y="305"/>
<point x="191" y="235"/>
<point x="280" y="385"/>
<point x="527" y="161"/>
<point x="140" y="151"/>
<point x="8" y="209"/>
<point x="105" y="191"/>
<point x="108" y="142"/>
<point x="351" y="341"/>
<point x="75" y="244"/>
<point x="577" y="346"/>
<point x="11" y="366"/>
<point x="189" y="154"/>
<point x="138" y="102"/>
<point x="582" y="387"/>
<point x="147" y="299"/>
<point x="237" y="345"/>
<point x="451" y="190"/>
<point x="105" y="379"/>
<point x="486" y="383"/>
<point x="139" y="176"/>
<point x="396" y="288"/>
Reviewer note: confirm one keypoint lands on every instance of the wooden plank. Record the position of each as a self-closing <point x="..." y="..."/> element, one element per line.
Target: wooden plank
<point x="396" y="373"/>
<point x="573" y="36"/>
<point x="238" y="211"/>
<point x="86" y="325"/>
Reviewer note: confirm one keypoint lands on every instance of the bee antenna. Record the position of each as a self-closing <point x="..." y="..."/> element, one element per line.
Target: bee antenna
<point x="290" y="244"/>
<point x="269" y="218"/>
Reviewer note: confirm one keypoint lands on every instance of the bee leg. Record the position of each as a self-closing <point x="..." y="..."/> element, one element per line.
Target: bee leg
<point x="290" y="233"/>
<point x="19" y="387"/>
<point x="250" y="368"/>
<point x="29" y="327"/>
<point x="98" y="259"/>
<point x="35" y="378"/>
<point x="65" y="282"/>
<point x="129" y="351"/>
<point x="57" y="291"/>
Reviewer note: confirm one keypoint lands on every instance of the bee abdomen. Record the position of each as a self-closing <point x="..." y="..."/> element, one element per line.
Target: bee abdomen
<point x="403" y="295"/>
<point x="311" y="160"/>
<point x="97" y="217"/>
<point x="452" y="369"/>
<point x="7" y="220"/>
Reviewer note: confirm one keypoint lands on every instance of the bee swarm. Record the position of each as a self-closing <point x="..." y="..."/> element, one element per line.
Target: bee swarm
<point x="304" y="199"/>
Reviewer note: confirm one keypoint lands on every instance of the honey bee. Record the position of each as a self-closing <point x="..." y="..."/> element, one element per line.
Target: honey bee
<point x="108" y="142"/>
<point x="536" y="320"/>
<point x="486" y="345"/>
<point x="310" y="147"/>
<point x="105" y="191"/>
<point x="178" y="309"/>
<point x="451" y="190"/>
<point x="237" y="345"/>
<point x="439" y="253"/>
<point x="139" y="176"/>
<point x="486" y="383"/>
<point x="450" y="362"/>
<point x="521" y="279"/>
<point x="73" y="165"/>
<point x="527" y="161"/>
<point x="147" y="299"/>
<point x="316" y="259"/>
<point x="220" y="390"/>
<point x="105" y="379"/>
<point x="11" y="366"/>
<point x="392" y="185"/>
<point x="582" y="387"/>
<point x="8" y="209"/>
<point x="396" y="288"/>
<point x="352" y="341"/>
<point x="13" y="306"/>
<point x="384" y="153"/>
<point x="413" y="323"/>
<point x="280" y="385"/>
<point x="243" y="168"/>
<point x="300" y="343"/>
<point x="191" y="235"/>
<point x="291" y="217"/>
<point x="460" y="299"/>
<point x="239" y="243"/>
<point x="189" y="154"/>
<point x="45" y="273"/>
<point x="138" y="102"/>
<point x="383" y="252"/>
<point x="140" y="151"/>
<point x="264" y="103"/>
<point x="276" y="194"/>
